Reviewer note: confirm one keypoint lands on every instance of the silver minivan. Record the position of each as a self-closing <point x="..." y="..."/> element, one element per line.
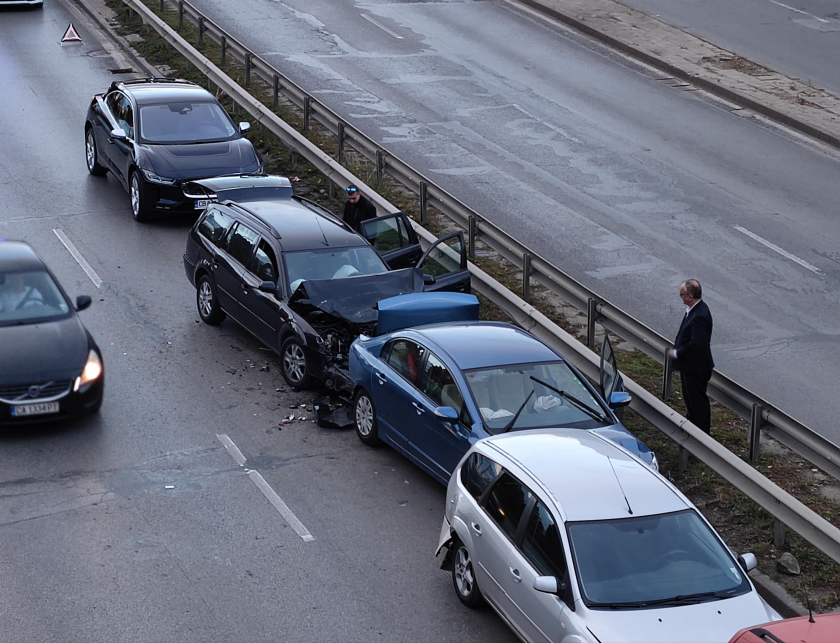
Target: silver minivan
<point x="571" y="538"/>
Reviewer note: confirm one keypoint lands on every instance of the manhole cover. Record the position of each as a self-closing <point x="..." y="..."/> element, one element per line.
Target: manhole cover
<point x="98" y="53"/>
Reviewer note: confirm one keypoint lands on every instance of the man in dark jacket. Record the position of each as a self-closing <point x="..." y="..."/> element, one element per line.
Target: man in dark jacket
<point x="692" y="353"/>
<point x="357" y="208"/>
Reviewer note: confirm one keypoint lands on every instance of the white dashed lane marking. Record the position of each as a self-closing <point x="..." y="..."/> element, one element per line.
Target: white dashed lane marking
<point x="781" y="251"/>
<point x="90" y="272"/>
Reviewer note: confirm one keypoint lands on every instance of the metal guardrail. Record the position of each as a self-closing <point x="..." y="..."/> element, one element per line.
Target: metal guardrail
<point x="784" y="507"/>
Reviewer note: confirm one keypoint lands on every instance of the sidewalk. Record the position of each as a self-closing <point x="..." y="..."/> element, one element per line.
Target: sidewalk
<point x="782" y="98"/>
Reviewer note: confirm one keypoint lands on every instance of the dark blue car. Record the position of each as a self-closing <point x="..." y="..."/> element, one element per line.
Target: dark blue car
<point x="432" y="391"/>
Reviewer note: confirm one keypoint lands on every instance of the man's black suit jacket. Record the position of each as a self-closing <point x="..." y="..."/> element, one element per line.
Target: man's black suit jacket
<point x="694" y="341"/>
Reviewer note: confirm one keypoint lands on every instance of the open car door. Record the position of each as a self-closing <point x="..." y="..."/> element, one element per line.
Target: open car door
<point x="393" y="237"/>
<point x="446" y="262"/>
<point x="612" y="385"/>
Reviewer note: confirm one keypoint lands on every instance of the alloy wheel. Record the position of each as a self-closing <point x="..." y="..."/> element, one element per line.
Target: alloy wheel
<point x="205" y="299"/>
<point x="364" y="415"/>
<point x="90" y="151"/>
<point x="294" y="361"/>
<point x="464" y="579"/>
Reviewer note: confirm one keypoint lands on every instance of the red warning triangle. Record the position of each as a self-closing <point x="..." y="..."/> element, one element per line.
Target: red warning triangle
<point x="70" y="35"/>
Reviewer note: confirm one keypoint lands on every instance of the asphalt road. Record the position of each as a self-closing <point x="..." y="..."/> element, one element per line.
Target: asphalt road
<point x="138" y="524"/>
<point x="801" y="38"/>
<point x="628" y="180"/>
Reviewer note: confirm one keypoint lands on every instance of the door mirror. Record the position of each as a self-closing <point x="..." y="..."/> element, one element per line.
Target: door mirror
<point x="244" y="127"/>
<point x="119" y="134"/>
<point x="447" y="413"/>
<point x="428" y="280"/>
<point x="549" y="585"/>
<point x="82" y="302"/>
<point x="609" y="370"/>
<point x="267" y="286"/>
<point x="619" y="399"/>
<point x="747" y="562"/>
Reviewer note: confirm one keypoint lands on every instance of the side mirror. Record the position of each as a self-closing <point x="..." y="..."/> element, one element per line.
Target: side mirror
<point x="619" y="399"/>
<point x="428" y="280"/>
<point x="446" y="413"/>
<point x="119" y="134"/>
<point x="747" y="562"/>
<point x="83" y="301"/>
<point x="267" y="286"/>
<point x="549" y="585"/>
<point x="244" y="127"/>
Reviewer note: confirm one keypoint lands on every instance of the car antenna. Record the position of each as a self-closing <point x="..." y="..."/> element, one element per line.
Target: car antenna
<point x="810" y="613"/>
<point x="619" y="486"/>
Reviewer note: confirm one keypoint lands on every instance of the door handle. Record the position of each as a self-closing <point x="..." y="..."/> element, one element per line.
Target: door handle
<point x="476" y="528"/>
<point x="515" y="574"/>
<point x="420" y="409"/>
<point x="380" y="377"/>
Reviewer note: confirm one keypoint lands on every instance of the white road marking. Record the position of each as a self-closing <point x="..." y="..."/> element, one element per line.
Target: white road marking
<point x="381" y="26"/>
<point x="804" y="13"/>
<point x="266" y="489"/>
<point x="90" y="272"/>
<point x="784" y="253"/>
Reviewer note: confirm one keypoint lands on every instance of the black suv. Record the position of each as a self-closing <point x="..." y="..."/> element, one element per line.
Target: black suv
<point x="299" y="279"/>
<point x="153" y="133"/>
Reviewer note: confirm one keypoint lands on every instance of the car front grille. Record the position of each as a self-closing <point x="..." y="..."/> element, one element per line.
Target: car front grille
<point x="40" y="391"/>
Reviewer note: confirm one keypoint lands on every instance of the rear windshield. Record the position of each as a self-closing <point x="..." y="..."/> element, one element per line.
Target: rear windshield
<point x="30" y="297"/>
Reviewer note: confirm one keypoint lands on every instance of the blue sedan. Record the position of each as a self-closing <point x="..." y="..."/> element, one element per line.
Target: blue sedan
<point x="431" y="392"/>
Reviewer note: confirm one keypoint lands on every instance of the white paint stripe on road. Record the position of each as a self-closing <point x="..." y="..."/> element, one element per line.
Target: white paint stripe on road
<point x="90" y="272"/>
<point x="784" y="253"/>
<point x="382" y="27"/>
<point x="234" y="451"/>
<point x="804" y="13"/>
<point x="266" y="489"/>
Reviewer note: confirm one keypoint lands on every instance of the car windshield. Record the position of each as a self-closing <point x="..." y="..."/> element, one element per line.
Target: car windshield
<point x="672" y="558"/>
<point x="30" y="297"/>
<point x="534" y="391"/>
<point x="185" y="122"/>
<point x="332" y="264"/>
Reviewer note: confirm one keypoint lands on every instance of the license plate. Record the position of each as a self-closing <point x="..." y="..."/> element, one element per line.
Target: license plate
<point x="35" y="409"/>
<point x="200" y="204"/>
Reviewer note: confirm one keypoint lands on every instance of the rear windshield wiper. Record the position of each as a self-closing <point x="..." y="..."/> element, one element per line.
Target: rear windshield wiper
<point x="575" y="401"/>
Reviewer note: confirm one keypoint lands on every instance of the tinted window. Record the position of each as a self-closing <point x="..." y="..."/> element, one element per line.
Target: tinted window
<point x="406" y="358"/>
<point x="241" y="244"/>
<point x="541" y="544"/>
<point x="478" y="473"/>
<point x="30" y="296"/>
<point x="386" y="234"/>
<point x="444" y="259"/>
<point x="214" y="225"/>
<point x="439" y="386"/>
<point x="264" y="264"/>
<point x="506" y="503"/>
<point x="186" y="122"/>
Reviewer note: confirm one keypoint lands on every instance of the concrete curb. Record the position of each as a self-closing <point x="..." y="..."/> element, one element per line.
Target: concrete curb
<point x="777" y="596"/>
<point x="687" y="76"/>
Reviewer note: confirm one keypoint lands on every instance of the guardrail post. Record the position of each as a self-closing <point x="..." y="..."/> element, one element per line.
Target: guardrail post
<point x="340" y="142"/>
<point x="248" y="58"/>
<point x="276" y="90"/>
<point x="667" y="376"/>
<point x="307" y="107"/>
<point x="223" y="45"/>
<point x="778" y="533"/>
<point x="526" y="276"/>
<point x="201" y="31"/>
<point x="683" y="459"/>
<point x="473" y="234"/>
<point x="756" y="422"/>
<point x="162" y="7"/>
<point x="180" y="14"/>
<point x="423" y="202"/>
<point x="380" y="164"/>
<point x="332" y="190"/>
<point x="294" y="158"/>
<point x="591" y="316"/>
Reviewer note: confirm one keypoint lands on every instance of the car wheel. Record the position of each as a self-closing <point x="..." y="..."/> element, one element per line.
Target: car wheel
<point x="367" y="427"/>
<point x="463" y="576"/>
<point x="90" y="155"/>
<point x="294" y="365"/>
<point x="207" y="302"/>
<point x="135" y="192"/>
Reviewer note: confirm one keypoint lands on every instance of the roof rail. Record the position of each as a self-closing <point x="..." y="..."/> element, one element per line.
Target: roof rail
<point x="238" y="206"/>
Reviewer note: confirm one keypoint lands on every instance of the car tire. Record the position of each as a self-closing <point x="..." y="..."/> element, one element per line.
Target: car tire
<point x="207" y="302"/>
<point x="294" y="364"/>
<point x="463" y="576"/>
<point x="364" y="414"/>
<point x="91" y="155"/>
<point x="135" y="193"/>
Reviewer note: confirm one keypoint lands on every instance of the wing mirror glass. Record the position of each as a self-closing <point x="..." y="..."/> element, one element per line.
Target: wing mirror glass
<point x="119" y="134"/>
<point x="620" y="399"/>
<point x="447" y="413"/>
<point x="244" y="127"/>
<point x="747" y="562"/>
<point x="83" y="301"/>
<point x="267" y="286"/>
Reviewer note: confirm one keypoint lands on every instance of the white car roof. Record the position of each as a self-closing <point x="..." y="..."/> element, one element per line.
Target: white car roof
<point x="582" y="471"/>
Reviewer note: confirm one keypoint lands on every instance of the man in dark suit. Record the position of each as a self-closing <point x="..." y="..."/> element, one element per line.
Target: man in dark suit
<point x="692" y="355"/>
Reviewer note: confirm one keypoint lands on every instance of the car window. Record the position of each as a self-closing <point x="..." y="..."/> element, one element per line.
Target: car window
<point x="406" y="358"/>
<point x="264" y="265"/>
<point x="30" y="296"/>
<point x="541" y="543"/>
<point x="386" y="233"/>
<point x="186" y="122"/>
<point x="241" y="244"/>
<point x="444" y="259"/>
<point x="440" y="387"/>
<point x="506" y="502"/>
<point x="112" y="102"/>
<point x="125" y="117"/>
<point x="478" y="473"/>
<point x="214" y="224"/>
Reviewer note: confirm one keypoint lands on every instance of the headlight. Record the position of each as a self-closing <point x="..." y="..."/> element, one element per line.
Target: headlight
<point x="154" y="178"/>
<point x="91" y="371"/>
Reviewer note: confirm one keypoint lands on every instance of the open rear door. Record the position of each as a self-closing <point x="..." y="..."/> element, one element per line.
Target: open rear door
<point x="446" y="262"/>
<point x="393" y="237"/>
<point x="612" y="385"/>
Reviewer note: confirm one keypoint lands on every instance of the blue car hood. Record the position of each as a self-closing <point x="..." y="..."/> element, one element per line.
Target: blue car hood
<point x="417" y="309"/>
<point x="198" y="160"/>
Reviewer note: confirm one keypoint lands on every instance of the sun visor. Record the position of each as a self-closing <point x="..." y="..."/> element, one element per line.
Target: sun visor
<point x="425" y="308"/>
